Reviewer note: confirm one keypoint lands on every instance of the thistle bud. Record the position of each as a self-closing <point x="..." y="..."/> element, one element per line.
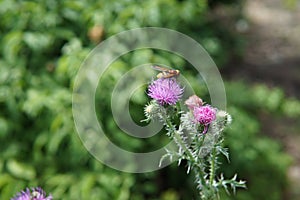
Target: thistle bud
<point x="193" y="101"/>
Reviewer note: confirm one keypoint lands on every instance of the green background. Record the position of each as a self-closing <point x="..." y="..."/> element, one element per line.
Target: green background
<point x="43" y="44"/>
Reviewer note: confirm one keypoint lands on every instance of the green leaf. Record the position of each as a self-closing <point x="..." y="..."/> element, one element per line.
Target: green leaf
<point x="21" y="170"/>
<point x="38" y="41"/>
<point x="12" y="44"/>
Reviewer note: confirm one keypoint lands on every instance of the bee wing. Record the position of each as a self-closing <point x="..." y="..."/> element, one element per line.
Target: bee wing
<point x="158" y="68"/>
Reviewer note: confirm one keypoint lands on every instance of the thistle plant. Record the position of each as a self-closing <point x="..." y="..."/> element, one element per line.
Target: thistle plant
<point x="196" y="132"/>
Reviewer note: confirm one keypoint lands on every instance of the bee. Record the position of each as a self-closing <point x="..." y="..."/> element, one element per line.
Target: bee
<point x="165" y="72"/>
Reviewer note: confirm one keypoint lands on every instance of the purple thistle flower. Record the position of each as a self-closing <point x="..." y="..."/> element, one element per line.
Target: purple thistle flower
<point x="36" y="194"/>
<point x="23" y="195"/>
<point x="205" y="115"/>
<point x="165" y="91"/>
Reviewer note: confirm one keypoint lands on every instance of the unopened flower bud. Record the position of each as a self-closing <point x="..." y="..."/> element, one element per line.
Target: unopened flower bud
<point x="153" y="111"/>
<point x="193" y="101"/>
<point x="149" y="108"/>
<point x="224" y="116"/>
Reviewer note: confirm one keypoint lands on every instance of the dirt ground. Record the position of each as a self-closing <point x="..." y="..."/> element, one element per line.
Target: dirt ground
<point x="272" y="56"/>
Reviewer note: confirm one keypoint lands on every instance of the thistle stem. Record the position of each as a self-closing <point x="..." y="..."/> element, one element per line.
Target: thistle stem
<point x="181" y="143"/>
<point x="201" y="140"/>
<point x="212" y="166"/>
<point x="190" y="156"/>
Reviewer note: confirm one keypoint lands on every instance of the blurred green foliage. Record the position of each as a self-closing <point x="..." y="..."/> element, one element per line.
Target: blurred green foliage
<point x="43" y="44"/>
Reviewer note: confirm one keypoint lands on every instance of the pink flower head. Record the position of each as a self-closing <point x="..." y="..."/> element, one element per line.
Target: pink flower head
<point x="165" y="91"/>
<point x="193" y="101"/>
<point x="205" y="114"/>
